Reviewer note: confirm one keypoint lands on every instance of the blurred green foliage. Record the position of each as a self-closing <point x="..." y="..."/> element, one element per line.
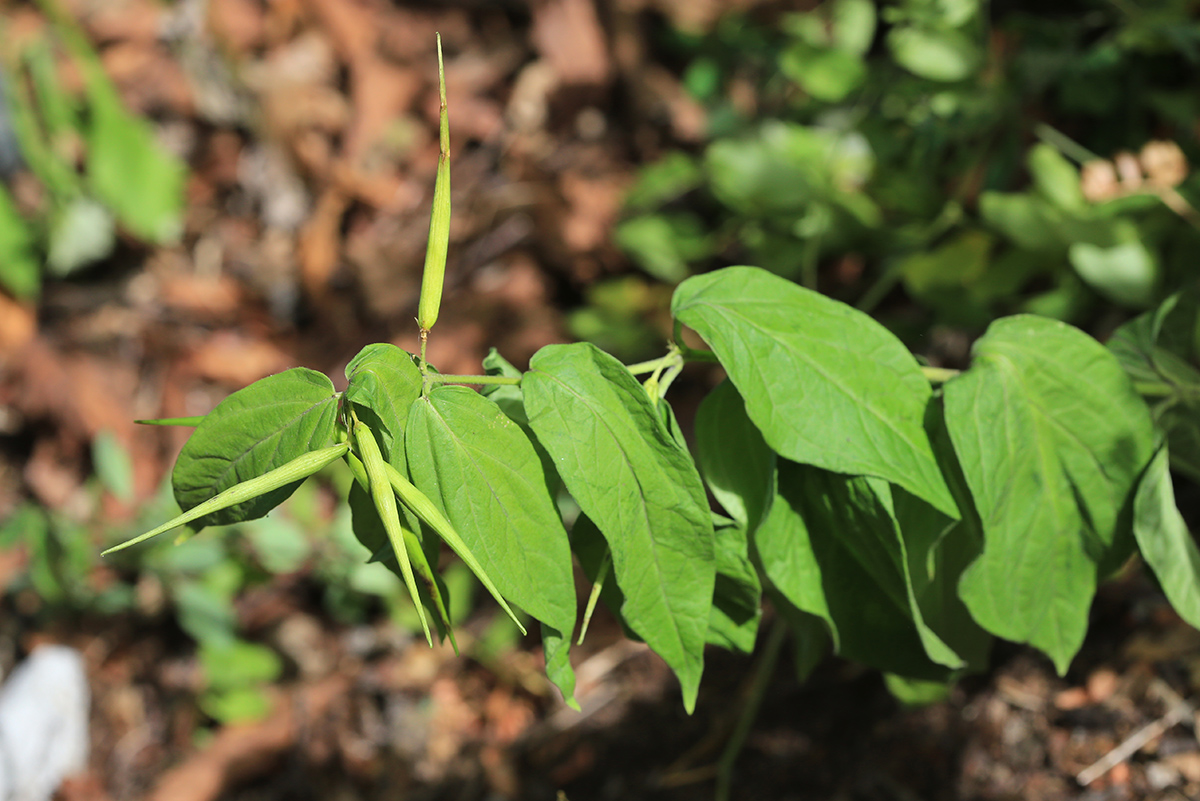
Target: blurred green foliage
<point x="197" y="582"/>
<point x="964" y="152"/>
<point x="99" y="169"/>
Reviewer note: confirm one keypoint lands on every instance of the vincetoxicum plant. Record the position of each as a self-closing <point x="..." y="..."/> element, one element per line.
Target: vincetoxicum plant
<point x="900" y="514"/>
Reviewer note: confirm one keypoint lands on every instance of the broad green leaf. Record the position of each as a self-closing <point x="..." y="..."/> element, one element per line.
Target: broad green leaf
<point x="385" y="380"/>
<point x="1166" y="544"/>
<point x="831" y="544"/>
<point x="735" y="461"/>
<point x="20" y="266"/>
<point x="939" y="549"/>
<point x="824" y="383"/>
<point x="737" y="595"/>
<point x="510" y="400"/>
<point x="1052" y="439"/>
<point x="641" y="488"/>
<point x="1160" y="350"/>
<point x="936" y="55"/>
<point x="477" y="465"/>
<point x="254" y="430"/>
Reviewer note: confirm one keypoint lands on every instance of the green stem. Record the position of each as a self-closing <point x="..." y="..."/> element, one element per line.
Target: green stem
<point x="808" y="267"/>
<point x="500" y="380"/>
<point x="879" y="290"/>
<point x="1154" y="389"/>
<point x="1064" y="144"/>
<point x="939" y="375"/>
<point x="753" y="702"/>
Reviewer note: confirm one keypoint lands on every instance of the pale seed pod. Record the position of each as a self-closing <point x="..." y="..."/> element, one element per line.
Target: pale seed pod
<point x="425" y="509"/>
<point x="436" y="250"/>
<point x="416" y="555"/>
<point x="299" y="468"/>
<point x="385" y="505"/>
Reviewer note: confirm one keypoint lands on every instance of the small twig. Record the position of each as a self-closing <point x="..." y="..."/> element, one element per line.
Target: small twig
<point x="758" y="690"/>
<point x="1179" y="711"/>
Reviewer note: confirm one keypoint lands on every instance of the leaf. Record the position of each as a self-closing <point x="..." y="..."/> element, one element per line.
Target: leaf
<point x="936" y="55"/>
<point x="557" y="648"/>
<point x="1164" y="539"/>
<point x="641" y="488"/>
<point x="510" y="400"/>
<point x="1126" y="273"/>
<point x="1160" y="350"/>
<point x="824" y="383"/>
<point x="20" y="267"/>
<point x="254" y="430"/>
<point x="831" y="544"/>
<point x="127" y="168"/>
<point x="663" y="181"/>
<point x="737" y="596"/>
<point x="827" y="74"/>
<point x="483" y="472"/>
<point x="113" y="466"/>
<point x="735" y="461"/>
<point x="1056" y="178"/>
<point x="664" y="244"/>
<point x="1052" y="439"/>
<point x="386" y="381"/>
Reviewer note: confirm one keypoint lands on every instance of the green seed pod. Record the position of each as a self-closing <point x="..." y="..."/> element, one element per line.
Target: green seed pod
<point x="425" y="509"/>
<point x="416" y="555"/>
<point x="299" y="468"/>
<point x="439" y="222"/>
<point x="385" y="505"/>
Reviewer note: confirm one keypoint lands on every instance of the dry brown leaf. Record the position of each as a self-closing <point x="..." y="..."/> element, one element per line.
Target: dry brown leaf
<point x="235" y="361"/>
<point x="568" y="35"/>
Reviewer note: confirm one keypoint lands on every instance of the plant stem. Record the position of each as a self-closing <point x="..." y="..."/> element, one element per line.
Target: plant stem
<point x="1154" y="389"/>
<point x="939" y="375"/>
<point x="753" y="702"/>
<point x="501" y="380"/>
<point x="1064" y="144"/>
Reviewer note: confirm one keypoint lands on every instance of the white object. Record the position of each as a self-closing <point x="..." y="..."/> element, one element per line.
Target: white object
<point x="43" y="724"/>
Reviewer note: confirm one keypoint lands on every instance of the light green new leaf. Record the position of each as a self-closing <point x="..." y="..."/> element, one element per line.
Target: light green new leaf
<point x="641" y="488"/>
<point x="1052" y="439"/>
<point x="384" y="380"/>
<point x="1164" y="539"/>
<point x="832" y="546"/>
<point x="735" y="461"/>
<point x="256" y="429"/>
<point x="477" y="465"/>
<point x="824" y="383"/>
